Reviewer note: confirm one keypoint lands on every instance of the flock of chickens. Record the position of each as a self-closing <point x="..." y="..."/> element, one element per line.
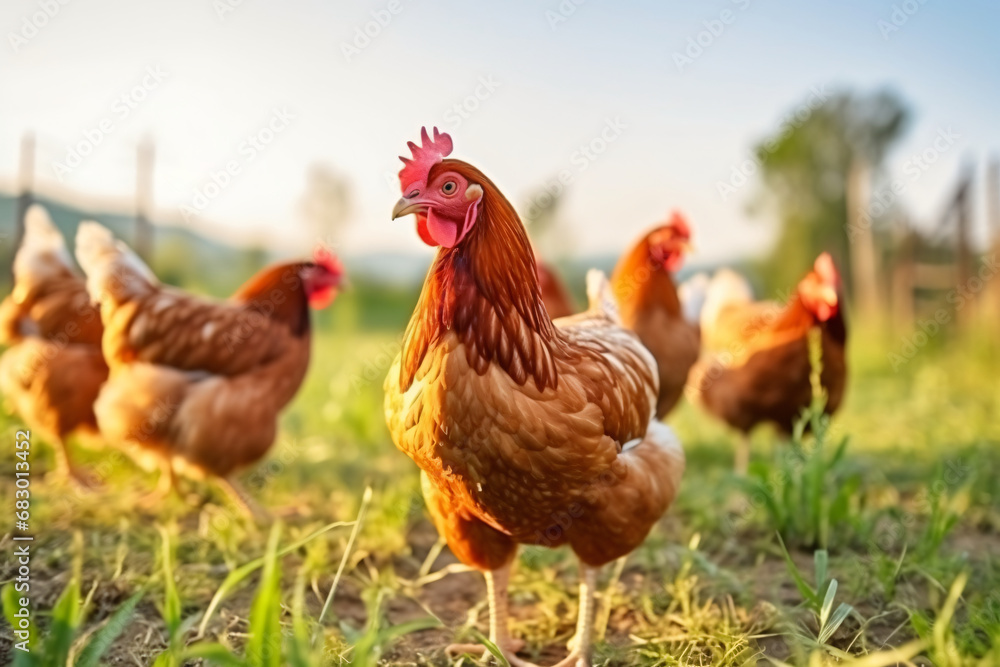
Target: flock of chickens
<point x="531" y="423"/>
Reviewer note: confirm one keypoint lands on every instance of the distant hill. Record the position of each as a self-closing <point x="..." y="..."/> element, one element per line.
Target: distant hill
<point x="183" y="257"/>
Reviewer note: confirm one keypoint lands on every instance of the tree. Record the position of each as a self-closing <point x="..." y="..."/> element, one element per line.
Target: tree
<point x="806" y="169"/>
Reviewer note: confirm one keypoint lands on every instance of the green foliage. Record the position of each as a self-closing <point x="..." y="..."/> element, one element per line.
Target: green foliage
<point x="804" y="168"/>
<point x="63" y="639"/>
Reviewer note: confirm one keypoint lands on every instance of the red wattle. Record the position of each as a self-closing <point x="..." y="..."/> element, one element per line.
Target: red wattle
<point x="444" y="232"/>
<point x="424" y="233"/>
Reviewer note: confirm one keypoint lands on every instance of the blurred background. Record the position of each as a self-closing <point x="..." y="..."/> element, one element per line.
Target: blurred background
<point x="216" y="135"/>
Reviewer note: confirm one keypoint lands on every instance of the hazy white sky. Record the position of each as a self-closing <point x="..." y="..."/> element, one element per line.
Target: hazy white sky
<point x="278" y="70"/>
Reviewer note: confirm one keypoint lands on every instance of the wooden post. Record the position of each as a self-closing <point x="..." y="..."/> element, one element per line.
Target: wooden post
<point x="864" y="266"/>
<point x="903" y="307"/>
<point x="993" y="201"/>
<point x="960" y="207"/>
<point x="26" y="183"/>
<point x="143" y="242"/>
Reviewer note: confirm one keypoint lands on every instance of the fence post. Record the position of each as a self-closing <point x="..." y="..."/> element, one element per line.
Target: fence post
<point x="143" y="241"/>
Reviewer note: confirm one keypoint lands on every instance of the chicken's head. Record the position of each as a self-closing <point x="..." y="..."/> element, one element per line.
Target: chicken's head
<point x="819" y="289"/>
<point x="446" y="203"/>
<point x="322" y="278"/>
<point x="669" y="243"/>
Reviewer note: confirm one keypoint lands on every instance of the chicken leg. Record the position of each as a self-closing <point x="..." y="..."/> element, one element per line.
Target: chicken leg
<point x="496" y="589"/>
<point x="165" y="485"/>
<point x="67" y="470"/>
<point x="496" y="584"/>
<point x="582" y="642"/>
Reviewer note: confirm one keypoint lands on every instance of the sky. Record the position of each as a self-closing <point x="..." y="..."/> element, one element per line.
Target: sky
<point x="266" y="88"/>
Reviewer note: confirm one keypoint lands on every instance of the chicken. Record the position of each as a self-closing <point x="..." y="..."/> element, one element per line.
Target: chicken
<point x="555" y="296"/>
<point x="756" y="367"/>
<point x="650" y="306"/>
<point x="53" y="369"/>
<point x="195" y="385"/>
<point x="526" y="431"/>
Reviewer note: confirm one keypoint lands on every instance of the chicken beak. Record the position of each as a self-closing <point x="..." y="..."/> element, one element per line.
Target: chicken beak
<point x="406" y="206"/>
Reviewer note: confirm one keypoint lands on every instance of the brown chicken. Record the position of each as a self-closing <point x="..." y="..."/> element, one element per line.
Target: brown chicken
<point x="196" y="386"/>
<point x="53" y="370"/>
<point x="558" y="303"/>
<point x="644" y="287"/>
<point x="526" y="431"/>
<point x="756" y="368"/>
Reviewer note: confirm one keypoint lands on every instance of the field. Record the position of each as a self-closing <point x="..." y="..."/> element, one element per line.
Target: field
<point x="875" y="543"/>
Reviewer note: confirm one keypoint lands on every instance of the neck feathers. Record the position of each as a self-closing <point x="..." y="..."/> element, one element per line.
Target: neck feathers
<point x="486" y="291"/>
<point x="277" y="292"/>
<point x="639" y="284"/>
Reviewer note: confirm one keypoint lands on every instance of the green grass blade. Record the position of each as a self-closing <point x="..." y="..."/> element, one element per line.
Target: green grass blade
<point x="805" y="590"/>
<point x="239" y="574"/>
<point x="66" y="616"/>
<point x="264" y="647"/>
<point x="171" y="599"/>
<point x="10" y="598"/>
<point x="821" y="562"/>
<point x="365" y="501"/>
<point x="835" y="621"/>
<point x="102" y="640"/>
<point x="824" y="612"/>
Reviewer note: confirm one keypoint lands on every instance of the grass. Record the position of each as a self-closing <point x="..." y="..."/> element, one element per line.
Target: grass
<point x="875" y="541"/>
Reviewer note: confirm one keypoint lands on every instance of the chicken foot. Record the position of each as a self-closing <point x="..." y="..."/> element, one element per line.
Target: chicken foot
<point x="67" y="470"/>
<point x="165" y="485"/>
<point x="496" y="588"/>
<point x="243" y="501"/>
<point x="496" y="584"/>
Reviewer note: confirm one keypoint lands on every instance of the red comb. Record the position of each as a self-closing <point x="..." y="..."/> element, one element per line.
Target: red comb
<point x="680" y="225"/>
<point x="324" y="257"/>
<point x="425" y="156"/>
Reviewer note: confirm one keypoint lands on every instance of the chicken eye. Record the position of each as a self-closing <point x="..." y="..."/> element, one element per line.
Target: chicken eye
<point x="449" y="188"/>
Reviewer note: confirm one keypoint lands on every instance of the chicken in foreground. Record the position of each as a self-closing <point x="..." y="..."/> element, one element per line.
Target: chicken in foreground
<point x="196" y="385"/>
<point x="756" y="365"/>
<point x="526" y="431"/>
<point x="558" y="303"/>
<point x="650" y="306"/>
<point x="53" y="369"/>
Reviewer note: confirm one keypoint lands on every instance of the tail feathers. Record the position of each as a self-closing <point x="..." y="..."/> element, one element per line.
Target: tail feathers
<point x="42" y="254"/>
<point x="600" y="297"/>
<point x="110" y="265"/>
<point x="726" y="287"/>
<point x="692" y="294"/>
